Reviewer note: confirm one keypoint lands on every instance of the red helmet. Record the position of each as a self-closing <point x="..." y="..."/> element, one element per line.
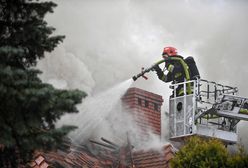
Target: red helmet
<point x="170" y="51"/>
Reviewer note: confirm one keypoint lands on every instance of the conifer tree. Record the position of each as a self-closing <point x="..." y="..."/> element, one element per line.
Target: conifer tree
<point x="29" y="108"/>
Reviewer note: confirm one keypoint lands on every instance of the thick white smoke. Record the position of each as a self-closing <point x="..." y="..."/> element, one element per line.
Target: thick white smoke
<point x="103" y="115"/>
<point x="108" y="41"/>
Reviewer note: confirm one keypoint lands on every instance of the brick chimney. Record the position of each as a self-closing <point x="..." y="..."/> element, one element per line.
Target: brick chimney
<point x="146" y="108"/>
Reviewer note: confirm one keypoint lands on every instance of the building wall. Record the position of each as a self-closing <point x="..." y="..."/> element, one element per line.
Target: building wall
<point x="146" y="108"/>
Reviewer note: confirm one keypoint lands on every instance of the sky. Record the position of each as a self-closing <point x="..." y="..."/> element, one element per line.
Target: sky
<point x="109" y="41"/>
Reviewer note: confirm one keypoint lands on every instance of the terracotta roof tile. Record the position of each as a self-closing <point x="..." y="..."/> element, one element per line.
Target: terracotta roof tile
<point x="39" y="160"/>
<point x="44" y="165"/>
<point x="153" y="158"/>
<point x="141" y="159"/>
<point x="32" y="164"/>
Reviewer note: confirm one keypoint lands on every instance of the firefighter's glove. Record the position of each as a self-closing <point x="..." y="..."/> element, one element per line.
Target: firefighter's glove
<point x="158" y="71"/>
<point x="156" y="68"/>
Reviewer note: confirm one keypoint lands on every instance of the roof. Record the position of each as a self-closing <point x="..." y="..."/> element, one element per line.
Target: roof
<point x="81" y="158"/>
<point x="154" y="158"/>
<point x="75" y="158"/>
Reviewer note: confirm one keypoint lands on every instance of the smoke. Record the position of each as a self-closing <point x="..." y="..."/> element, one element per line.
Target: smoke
<point x="109" y="41"/>
<point x="102" y="115"/>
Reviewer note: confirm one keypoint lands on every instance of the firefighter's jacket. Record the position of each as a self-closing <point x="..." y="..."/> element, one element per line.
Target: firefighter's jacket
<point x="178" y="72"/>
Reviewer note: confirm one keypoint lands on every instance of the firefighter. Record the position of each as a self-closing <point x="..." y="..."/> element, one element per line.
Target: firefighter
<point x="178" y="70"/>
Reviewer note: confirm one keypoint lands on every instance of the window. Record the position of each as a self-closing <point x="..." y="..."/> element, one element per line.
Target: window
<point x="156" y="107"/>
<point x="139" y="102"/>
<point x="146" y="103"/>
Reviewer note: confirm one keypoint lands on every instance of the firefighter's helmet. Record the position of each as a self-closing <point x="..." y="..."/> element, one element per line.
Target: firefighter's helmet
<point x="169" y="51"/>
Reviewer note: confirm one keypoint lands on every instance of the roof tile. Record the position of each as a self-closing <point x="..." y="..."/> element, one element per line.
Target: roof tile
<point x="39" y="159"/>
<point x="153" y="158"/>
<point x="44" y="165"/>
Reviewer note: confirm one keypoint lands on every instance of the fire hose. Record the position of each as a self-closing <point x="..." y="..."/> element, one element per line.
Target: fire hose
<point x="143" y="71"/>
<point x="185" y="67"/>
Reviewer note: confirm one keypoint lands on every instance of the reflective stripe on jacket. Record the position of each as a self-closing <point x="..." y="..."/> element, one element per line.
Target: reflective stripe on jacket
<point x="178" y="71"/>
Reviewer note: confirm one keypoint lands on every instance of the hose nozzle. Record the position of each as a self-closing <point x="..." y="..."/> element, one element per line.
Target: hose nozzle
<point x="134" y="78"/>
<point x="143" y="71"/>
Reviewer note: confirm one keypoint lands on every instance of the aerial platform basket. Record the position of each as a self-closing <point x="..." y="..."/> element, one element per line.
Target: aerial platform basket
<point x="211" y="110"/>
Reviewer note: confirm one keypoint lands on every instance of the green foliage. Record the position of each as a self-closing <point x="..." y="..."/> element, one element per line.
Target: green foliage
<point x="29" y="108"/>
<point x="201" y="153"/>
<point x="239" y="159"/>
<point x="211" y="153"/>
<point x="24" y="35"/>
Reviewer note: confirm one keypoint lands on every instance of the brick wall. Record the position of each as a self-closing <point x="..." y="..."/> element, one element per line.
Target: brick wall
<point x="146" y="108"/>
